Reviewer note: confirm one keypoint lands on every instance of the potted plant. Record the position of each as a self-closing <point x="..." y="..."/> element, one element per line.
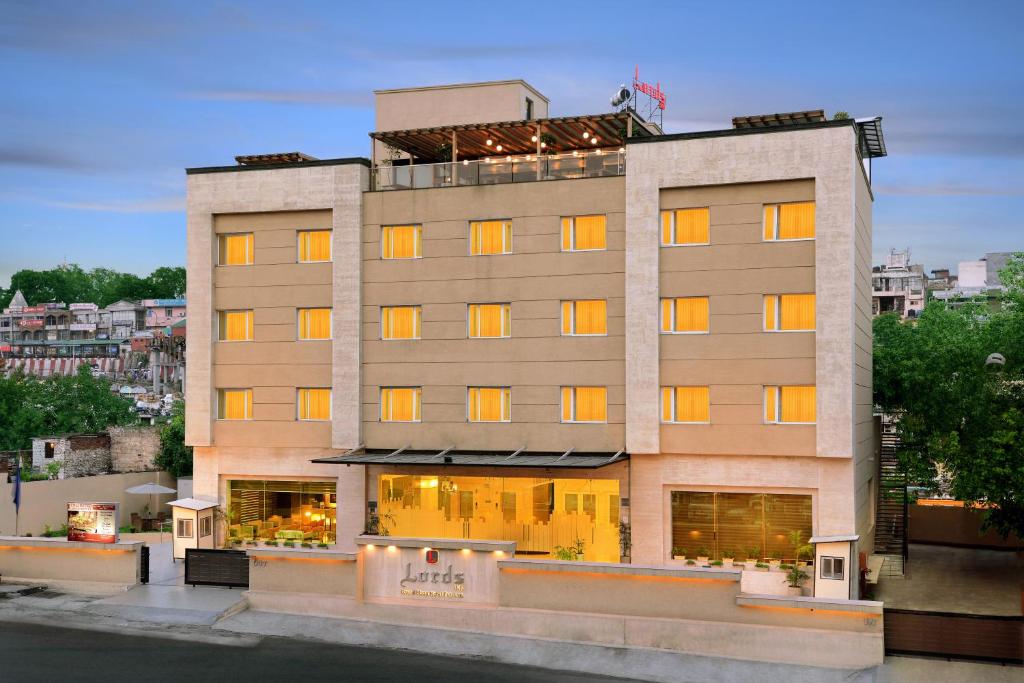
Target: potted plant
<point x="578" y="549"/>
<point x="703" y="554"/>
<point x="774" y="559"/>
<point x="728" y="556"/>
<point x="795" y="577"/>
<point x="251" y="541"/>
<point x="307" y="544"/>
<point x="801" y="550"/>
<point x="760" y="566"/>
<point x="272" y="543"/>
<point x="321" y="545"/>
<point x="691" y="563"/>
<point x="716" y="563"/>
<point x="678" y="553"/>
<point x="289" y="544"/>
<point x="753" y="553"/>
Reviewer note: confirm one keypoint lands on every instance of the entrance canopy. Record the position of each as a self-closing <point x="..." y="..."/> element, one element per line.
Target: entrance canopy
<point x="453" y="458"/>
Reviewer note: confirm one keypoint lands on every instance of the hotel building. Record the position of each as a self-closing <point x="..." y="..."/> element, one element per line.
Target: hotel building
<point x="576" y="333"/>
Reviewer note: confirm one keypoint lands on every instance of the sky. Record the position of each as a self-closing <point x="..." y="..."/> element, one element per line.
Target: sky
<point x="106" y="103"/>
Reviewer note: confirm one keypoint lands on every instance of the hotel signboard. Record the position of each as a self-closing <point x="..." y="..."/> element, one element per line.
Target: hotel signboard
<point x="92" y="522"/>
<point x="431" y="569"/>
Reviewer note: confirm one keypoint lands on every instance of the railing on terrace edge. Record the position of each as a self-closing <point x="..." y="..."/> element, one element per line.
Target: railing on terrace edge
<point x="499" y="170"/>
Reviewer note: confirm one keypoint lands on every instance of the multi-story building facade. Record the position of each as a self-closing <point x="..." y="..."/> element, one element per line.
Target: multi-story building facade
<point x="572" y="332"/>
<point x="898" y="285"/>
<point x="977" y="280"/>
<point x="161" y="313"/>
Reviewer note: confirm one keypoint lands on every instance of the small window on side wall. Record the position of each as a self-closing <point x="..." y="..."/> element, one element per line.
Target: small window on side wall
<point x="184" y="528"/>
<point x="833" y="568"/>
<point x="205" y="526"/>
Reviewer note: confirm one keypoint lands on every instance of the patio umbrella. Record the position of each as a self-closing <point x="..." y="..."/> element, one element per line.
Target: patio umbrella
<point x="150" y="489"/>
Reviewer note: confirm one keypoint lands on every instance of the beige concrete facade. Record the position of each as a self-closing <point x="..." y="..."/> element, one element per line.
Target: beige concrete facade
<point x="274" y="204"/>
<point x="536" y="360"/>
<point x="735" y="175"/>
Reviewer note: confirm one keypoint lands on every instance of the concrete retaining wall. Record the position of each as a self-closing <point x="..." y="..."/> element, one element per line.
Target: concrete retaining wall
<point x="695" y="611"/>
<point x="954" y="525"/>
<point x="56" y="560"/>
<point x="45" y="502"/>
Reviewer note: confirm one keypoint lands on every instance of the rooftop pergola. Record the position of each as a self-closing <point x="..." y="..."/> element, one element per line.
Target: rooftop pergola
<point x="536" y="136"/>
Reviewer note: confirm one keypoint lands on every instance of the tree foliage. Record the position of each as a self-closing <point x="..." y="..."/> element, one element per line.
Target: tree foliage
<point x="101" y="286"/>
<point x="174" y="455"/>
<point x="955" y="413"/>
<point x="59" y="404"/>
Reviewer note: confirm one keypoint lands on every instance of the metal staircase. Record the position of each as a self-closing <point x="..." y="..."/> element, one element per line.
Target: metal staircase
<point x="891" y="512"/>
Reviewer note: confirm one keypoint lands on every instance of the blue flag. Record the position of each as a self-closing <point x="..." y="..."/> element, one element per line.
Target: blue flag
<point x="16" y="490"/>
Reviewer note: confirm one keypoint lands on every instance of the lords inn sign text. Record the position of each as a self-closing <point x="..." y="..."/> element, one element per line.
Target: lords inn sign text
<point x="433" y="584"/>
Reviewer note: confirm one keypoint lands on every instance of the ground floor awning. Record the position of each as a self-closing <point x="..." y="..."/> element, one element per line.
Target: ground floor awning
<point x="454" y="458"/>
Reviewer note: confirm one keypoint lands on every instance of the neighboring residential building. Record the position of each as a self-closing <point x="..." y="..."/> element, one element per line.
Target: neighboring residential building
<point x="898" y="286"/>
<point x="546" y="330"/>
<point x="121" y="319"/>
<point x="977" y="279"/>
<point x="161" y="313"/>
<point x="941" y="280"/>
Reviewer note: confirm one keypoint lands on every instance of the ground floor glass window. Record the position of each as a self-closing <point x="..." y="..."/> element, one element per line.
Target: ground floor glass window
<point x="539" y="514"/>
<point x="282" y="510"/>
<point x="742" y="525"/>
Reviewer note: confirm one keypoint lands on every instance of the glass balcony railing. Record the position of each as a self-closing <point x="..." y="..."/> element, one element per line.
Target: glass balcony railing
<point x="499" y="170"/>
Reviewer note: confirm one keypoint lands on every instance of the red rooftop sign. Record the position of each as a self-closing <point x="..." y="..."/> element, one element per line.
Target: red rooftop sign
<point x="653" y="91"/>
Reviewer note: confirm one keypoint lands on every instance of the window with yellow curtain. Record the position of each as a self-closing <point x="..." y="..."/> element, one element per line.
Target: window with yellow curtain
<point x="237" y="249"/>
<point x="490" y="320"/>
<point x="684" y="315"/>
<point x="584" y="404"/>
<point x="234" y="404"/>
<point x="235" y="326"/>
<point x="585" y="317"/>
<point x="490" y="237"/>
<point x="685" y="226"/>
<point x="400" y="322"/>
<point x="314" y="245"/>
<point x="685" y="404"/>
<point x="584" y="233"/>
<point x="789" y="312"/>
<point x="314" y="404"/>
<point x="490" y="404"/>
<point x="400" y="404"/>
<point x="790" y="404"/>
<point x="314" y="323"/>
<point x="401" y="241"/>
<point x="794" y="221"/>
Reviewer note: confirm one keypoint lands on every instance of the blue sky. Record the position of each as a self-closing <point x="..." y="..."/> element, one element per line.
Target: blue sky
<point x="105" y="103"/>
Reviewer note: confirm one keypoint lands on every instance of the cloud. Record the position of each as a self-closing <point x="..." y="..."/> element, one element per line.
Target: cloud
<point x="330" y="98"/>
<point x="40" y="157"/>
<point x="154" y="205"/>
<point x="948" y="190"/>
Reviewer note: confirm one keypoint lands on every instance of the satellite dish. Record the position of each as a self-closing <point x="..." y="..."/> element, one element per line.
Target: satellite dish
<point x="621" y="96"/>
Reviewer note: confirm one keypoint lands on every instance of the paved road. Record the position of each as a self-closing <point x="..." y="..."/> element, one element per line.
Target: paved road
<point x="30" y="652"/>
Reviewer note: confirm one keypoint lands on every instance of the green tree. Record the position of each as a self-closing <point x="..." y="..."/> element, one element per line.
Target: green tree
<point x="174" y="455"/>
<point x="956" y="412"/>
<point x="166" y="283"/>
<point x="59" y="404"/>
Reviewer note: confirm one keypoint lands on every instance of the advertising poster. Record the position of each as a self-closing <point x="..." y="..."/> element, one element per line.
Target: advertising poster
<point x="92" y="522"/>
